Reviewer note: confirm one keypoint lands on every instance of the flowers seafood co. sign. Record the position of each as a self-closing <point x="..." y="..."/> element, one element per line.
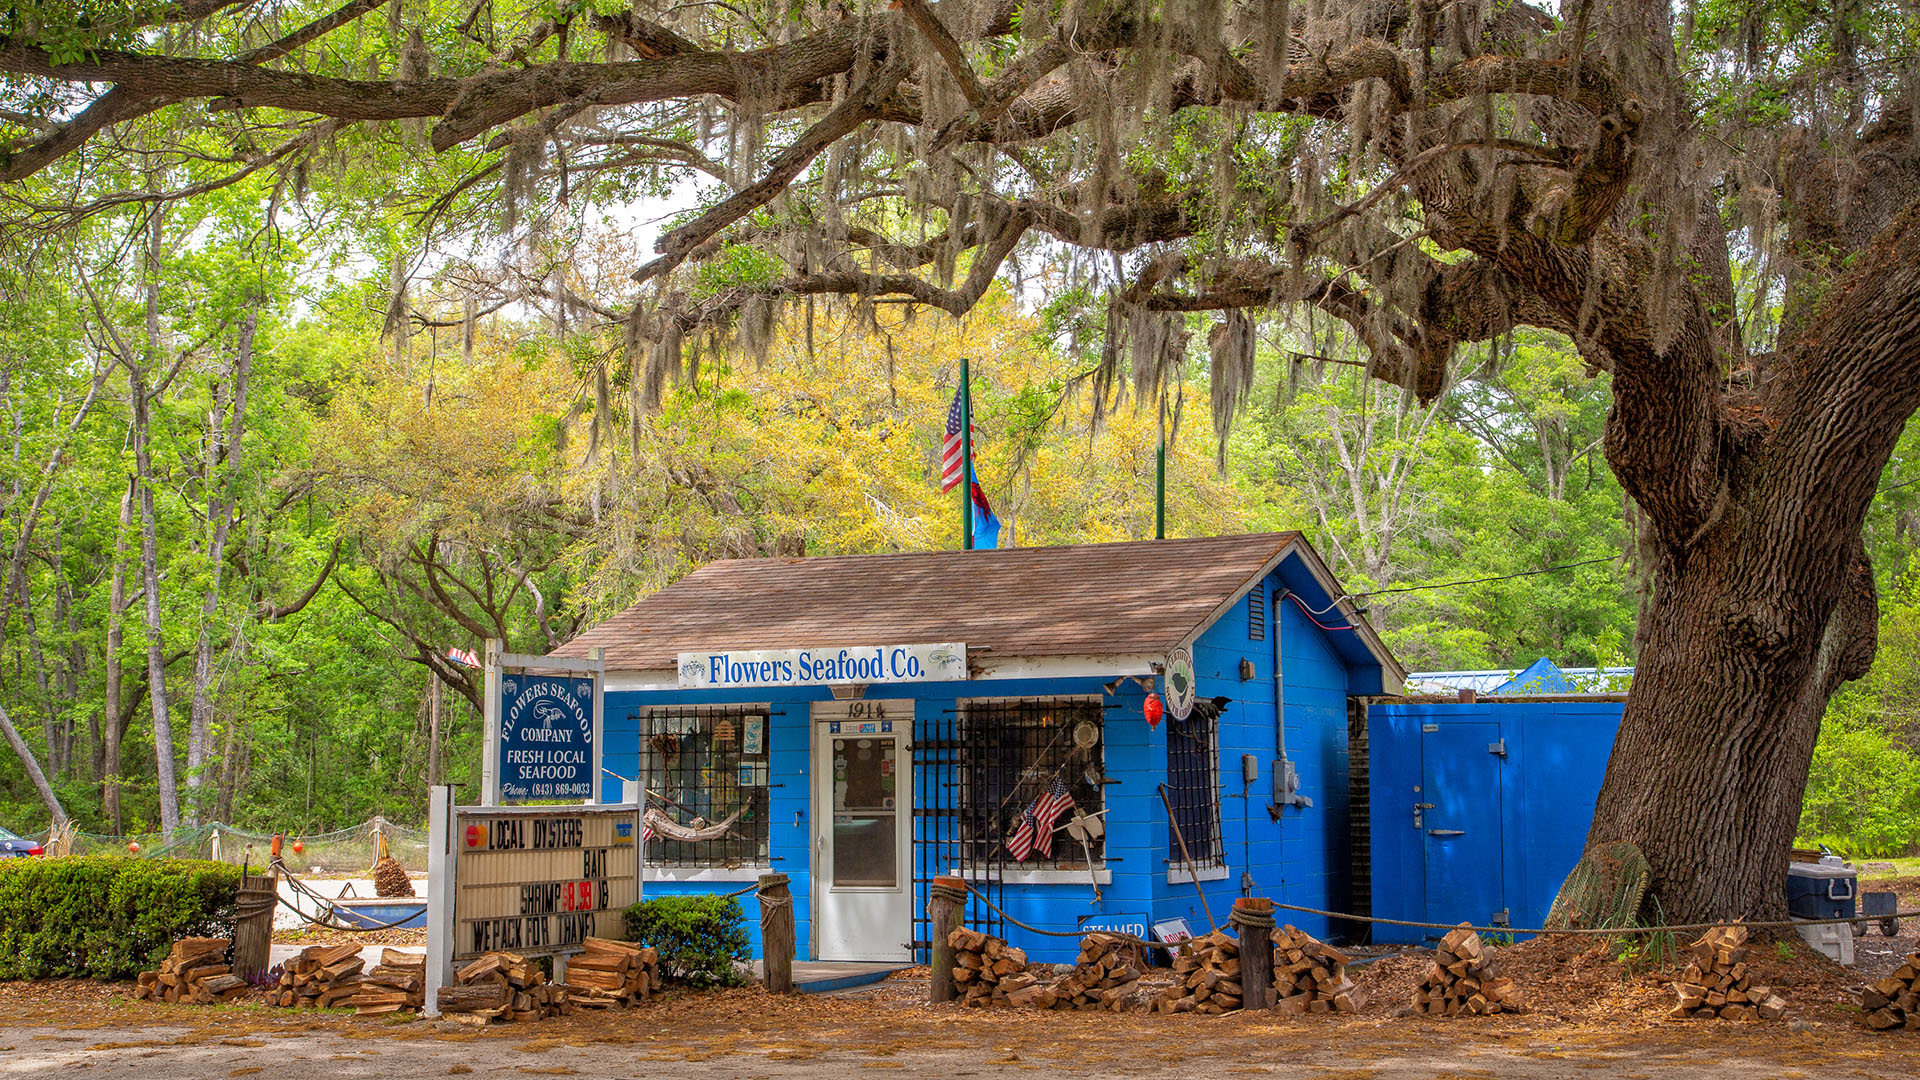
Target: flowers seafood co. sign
<point x="717" y="668"/>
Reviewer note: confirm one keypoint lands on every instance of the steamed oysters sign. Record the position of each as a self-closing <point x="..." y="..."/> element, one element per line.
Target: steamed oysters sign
<point x="717" y="668"/>
<point x="546" y="738"/>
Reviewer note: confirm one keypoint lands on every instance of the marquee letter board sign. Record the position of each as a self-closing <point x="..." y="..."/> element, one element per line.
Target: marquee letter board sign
<point x="540" y="882"/>
<point x="546" y="738"/>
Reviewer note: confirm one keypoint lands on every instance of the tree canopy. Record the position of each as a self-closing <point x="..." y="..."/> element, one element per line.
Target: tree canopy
<point x="1715" y="204"/>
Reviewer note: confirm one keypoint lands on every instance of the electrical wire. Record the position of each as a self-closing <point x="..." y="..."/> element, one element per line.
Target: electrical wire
<point x="1450" y="584"/>
<point x="1310" y="614"/>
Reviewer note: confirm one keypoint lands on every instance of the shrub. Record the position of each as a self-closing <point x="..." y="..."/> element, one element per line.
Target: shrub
<point x="107" y="916"/>
<point x="699" y="938"/>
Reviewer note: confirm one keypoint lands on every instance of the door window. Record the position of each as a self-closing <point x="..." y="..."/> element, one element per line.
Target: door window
<point x="865" y="848"/>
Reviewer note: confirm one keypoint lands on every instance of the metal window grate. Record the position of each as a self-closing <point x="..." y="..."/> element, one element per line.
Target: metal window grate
<point x="701" y="764"/>
<point x="1257" y="615"/>
<point x="1019" y="748"/>
<point x="979" y="768"/>
<point x="1193" y="784"/>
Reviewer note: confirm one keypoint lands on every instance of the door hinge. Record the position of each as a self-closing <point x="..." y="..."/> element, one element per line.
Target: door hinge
<point x="1498" y="748"/>
<point x="1503" y="917"/>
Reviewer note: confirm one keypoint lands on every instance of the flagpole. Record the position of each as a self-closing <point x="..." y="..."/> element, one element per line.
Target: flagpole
<point x="966" y="458"/>
<point x="1160" y="475"/>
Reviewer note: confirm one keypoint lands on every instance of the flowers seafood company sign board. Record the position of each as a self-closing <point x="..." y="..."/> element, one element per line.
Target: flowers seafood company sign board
<point x="539" y="881"/>
<point x="546" y="737"/>
<point x="717" y="669"/>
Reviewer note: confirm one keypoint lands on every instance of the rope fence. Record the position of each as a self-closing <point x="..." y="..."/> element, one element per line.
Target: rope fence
<point x="1623" y="931"/>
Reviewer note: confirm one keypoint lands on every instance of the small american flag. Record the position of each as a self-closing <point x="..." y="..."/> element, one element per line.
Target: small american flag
<point x="1022" y="841"/>
<point x="463" y="656"/>
<point x="952" y="457"/>
<point x="1045" y="811"/>
<point x="1035" y="831"/>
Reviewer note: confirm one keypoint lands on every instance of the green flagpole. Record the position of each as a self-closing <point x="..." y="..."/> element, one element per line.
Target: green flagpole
<point x="1160" y="476"/>
<point x="966" y="458"/>
<point x="1160" y="493"/>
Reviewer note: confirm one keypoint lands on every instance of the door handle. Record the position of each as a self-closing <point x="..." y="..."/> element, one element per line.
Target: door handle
<point x="1446" y="832"/>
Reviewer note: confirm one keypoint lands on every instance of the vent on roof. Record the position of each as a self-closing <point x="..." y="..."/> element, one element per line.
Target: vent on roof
<point x="1257" y="615"/>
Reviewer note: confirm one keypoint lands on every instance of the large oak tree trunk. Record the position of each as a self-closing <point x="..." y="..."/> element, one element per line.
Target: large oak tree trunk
<point x="1712" y="754"/>
<point x="1763" y="598"/>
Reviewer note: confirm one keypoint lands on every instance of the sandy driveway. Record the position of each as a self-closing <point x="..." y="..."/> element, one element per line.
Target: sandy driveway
<point x="740" y="1035"/>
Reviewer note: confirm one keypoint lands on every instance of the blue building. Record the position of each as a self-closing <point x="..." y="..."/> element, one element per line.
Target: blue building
<point x="1479" y="805"/>
<point x="864" y="723"/>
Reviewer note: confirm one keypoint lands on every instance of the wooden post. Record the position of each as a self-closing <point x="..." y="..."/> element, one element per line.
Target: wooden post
<point x="946" y="912"/>
<point x="776" y="933"/>
<point x="253" y="925"/>
<point x="1253" y="918"/>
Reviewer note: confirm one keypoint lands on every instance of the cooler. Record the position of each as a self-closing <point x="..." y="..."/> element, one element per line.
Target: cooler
<point x="1822" y="891"/>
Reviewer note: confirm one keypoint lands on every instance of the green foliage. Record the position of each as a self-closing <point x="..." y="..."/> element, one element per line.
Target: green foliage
<point x="1863" y="787"/>
<point x="104" y="916"/>
<point x="737" y="264"/>
<point x="700" y="938"/>
<point x="1863" y="791"/>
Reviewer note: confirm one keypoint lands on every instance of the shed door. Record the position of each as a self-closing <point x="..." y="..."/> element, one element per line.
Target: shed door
<point x="1461" y="821"/>
<point x="863" y="821"/>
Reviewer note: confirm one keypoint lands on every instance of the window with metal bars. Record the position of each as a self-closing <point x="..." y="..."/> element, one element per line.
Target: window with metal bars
<point x="1257" y="614"/>
<point x="701" y="765"/>
<point x="1193" y="786"/>
<point x="1039" y="756"/>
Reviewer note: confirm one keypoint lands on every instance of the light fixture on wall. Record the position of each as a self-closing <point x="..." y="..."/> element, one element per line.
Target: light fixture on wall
<point x="848" y="691"/>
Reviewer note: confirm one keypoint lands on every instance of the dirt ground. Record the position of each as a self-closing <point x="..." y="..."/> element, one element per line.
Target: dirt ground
<point x="82" y="1028"/>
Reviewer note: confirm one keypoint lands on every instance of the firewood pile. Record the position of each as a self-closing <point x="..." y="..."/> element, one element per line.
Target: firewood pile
<point x="195" y="971"/>
<point x="983" y="965"/>
<point x="1310" y="976"/>
<point x="1207" y="974"/>
<point x="1895" y="1000"/>
<point x="321" y="977"/>
<point x="1104" y="977"/>
<point x="507" y="986"/>
<point x="1462" y="980"/>
<point x="502" y="986"/>
<point x="607" y="973"/>
<point x="1717" y="982"/>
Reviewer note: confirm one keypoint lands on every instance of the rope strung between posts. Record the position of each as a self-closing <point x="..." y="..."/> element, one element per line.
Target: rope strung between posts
<point x="326" y="903"/>
<point x="1601" y="932"/>
<point x="741" y="892"/>
<point x="1624" y="931"/>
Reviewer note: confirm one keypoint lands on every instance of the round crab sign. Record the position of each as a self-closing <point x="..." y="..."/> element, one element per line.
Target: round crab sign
<point x="1179" y="682"/>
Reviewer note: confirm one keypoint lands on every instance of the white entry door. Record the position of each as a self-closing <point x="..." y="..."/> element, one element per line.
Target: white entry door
<point x="862" y="830"/>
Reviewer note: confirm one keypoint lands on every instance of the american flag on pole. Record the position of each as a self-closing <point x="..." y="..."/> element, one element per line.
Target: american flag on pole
<point x="1045" y="811"/>
<point x="1021" y="842"/>
<point x="953" y="465"/>
<point x="463" y="656"/>
<point x="1035" y="831"/>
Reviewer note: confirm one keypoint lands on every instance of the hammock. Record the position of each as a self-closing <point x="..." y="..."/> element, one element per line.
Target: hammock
<point x="697" y="830"/>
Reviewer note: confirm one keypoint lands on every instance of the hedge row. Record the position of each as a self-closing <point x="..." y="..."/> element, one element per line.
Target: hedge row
<point x="107" y="916"/>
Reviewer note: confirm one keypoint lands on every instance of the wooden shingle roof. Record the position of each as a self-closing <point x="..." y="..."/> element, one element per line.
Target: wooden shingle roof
<point x="1134" y="598"/>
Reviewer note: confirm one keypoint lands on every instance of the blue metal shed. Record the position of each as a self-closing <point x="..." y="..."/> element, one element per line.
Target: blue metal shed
<point x="803" y="699"/>
<point x="1478" y="809"/>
